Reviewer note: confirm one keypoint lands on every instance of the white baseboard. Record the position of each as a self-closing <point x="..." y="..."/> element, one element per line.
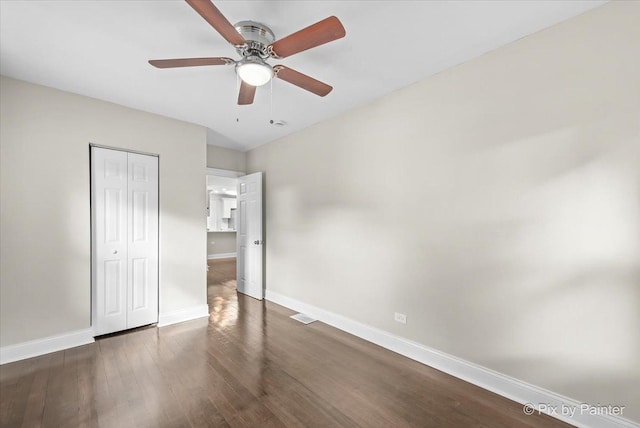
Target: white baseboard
<point x="34" y="348"/>
<point x="221" y="256"/>
<point x="483" y="377"/>
<point x="182" y="315"/>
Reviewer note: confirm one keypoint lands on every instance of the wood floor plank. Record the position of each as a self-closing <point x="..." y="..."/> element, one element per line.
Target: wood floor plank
<point x="57" y="410"/>
<point x="117" y="409"/>
<point x="247" y="365"/>
<point x="17" y="391"/>
<point x="34" y="408"/>
<point x="87" y="394"/>
<point x="159" y="396"/>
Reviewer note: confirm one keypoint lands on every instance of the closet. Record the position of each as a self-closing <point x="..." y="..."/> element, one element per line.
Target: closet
<point x="124" y="239"/>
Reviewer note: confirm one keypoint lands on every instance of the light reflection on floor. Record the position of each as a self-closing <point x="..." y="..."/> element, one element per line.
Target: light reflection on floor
<point x="221" y="293"/>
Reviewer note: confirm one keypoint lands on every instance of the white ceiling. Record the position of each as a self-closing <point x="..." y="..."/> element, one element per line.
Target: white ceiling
<point x="100" y="49"/>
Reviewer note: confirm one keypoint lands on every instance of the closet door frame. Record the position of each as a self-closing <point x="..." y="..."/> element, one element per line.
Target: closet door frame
<point x="93" y="279"/>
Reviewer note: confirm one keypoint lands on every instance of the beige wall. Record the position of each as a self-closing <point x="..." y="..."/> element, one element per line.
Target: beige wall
<point x="222" y="158"/>
<point x="45" y="227"/>
<point x="221" y="243"/>
<point x="496" y="204"/>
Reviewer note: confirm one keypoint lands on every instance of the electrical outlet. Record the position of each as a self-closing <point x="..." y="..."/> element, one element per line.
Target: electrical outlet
<point x="401" y="318"/>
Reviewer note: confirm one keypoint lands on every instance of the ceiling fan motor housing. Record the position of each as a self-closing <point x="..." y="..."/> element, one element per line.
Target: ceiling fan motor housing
<point x="258" y="37"/>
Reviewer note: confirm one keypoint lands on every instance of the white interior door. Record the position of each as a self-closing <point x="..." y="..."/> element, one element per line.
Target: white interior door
<point x="124" y="193"/>
<point x="109" y="226"/>
<point x="142" y="251"/>
<point x="249" y="232"/>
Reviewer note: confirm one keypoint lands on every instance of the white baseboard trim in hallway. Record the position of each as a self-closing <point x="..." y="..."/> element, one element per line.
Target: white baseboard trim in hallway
<point x="37" y="347"/>
<point x="483" y="377"/>
<point x="221" y="256"/>
<point x="182" y="315"/>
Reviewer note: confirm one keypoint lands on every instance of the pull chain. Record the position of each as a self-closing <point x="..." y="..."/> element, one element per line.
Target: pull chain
<point x="237" y="92"/>
<point x="271" y="99"/>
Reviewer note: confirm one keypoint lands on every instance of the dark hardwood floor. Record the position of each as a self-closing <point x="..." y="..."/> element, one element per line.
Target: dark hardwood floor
<point x="248" y="364"/>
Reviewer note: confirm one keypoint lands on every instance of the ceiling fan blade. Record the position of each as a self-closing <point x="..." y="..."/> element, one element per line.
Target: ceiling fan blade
<point x="190" y="62"/>
<point x="321" y="32"/>
<point x="302" y="80"/>
<point x="213" y="16"/>
<point x="246" y="95"/>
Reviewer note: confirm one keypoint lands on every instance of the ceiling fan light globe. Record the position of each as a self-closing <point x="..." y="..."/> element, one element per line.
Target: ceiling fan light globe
<point x="255" y="74"/>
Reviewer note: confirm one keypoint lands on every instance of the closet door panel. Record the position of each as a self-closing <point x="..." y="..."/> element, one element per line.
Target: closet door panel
<point x="142" y="240"/>
<point x="109" y="255"/>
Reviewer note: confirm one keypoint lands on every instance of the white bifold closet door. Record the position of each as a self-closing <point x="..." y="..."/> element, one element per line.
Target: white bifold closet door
<point x="124" y="221"/>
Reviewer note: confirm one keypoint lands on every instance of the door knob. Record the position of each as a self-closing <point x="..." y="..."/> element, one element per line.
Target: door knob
<point x="256" y="242"/>
<point x="115" y="251"/>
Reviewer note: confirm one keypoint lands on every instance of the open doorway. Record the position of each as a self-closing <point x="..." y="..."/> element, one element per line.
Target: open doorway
<point x="234" y="236"/>
<point x="222" y="217"/>
<point x="222" y="209"/>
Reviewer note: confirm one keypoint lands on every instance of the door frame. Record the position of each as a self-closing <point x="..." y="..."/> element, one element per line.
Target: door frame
<point x="92" y="312"/>
<point x="225" y="173"/>
<point x="217" y="172"/>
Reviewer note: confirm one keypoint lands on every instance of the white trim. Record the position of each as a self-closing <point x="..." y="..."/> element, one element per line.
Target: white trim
<point x="100" y="146"/>
<point x="222" y="256"/>
<point x="483" y="377"/>
<point x="182" y="315"/>
<point x="37" y="347"/>
<point x="224" y="173"/>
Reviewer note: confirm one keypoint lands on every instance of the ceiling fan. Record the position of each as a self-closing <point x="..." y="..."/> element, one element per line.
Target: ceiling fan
<point x="255" y="42"/>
